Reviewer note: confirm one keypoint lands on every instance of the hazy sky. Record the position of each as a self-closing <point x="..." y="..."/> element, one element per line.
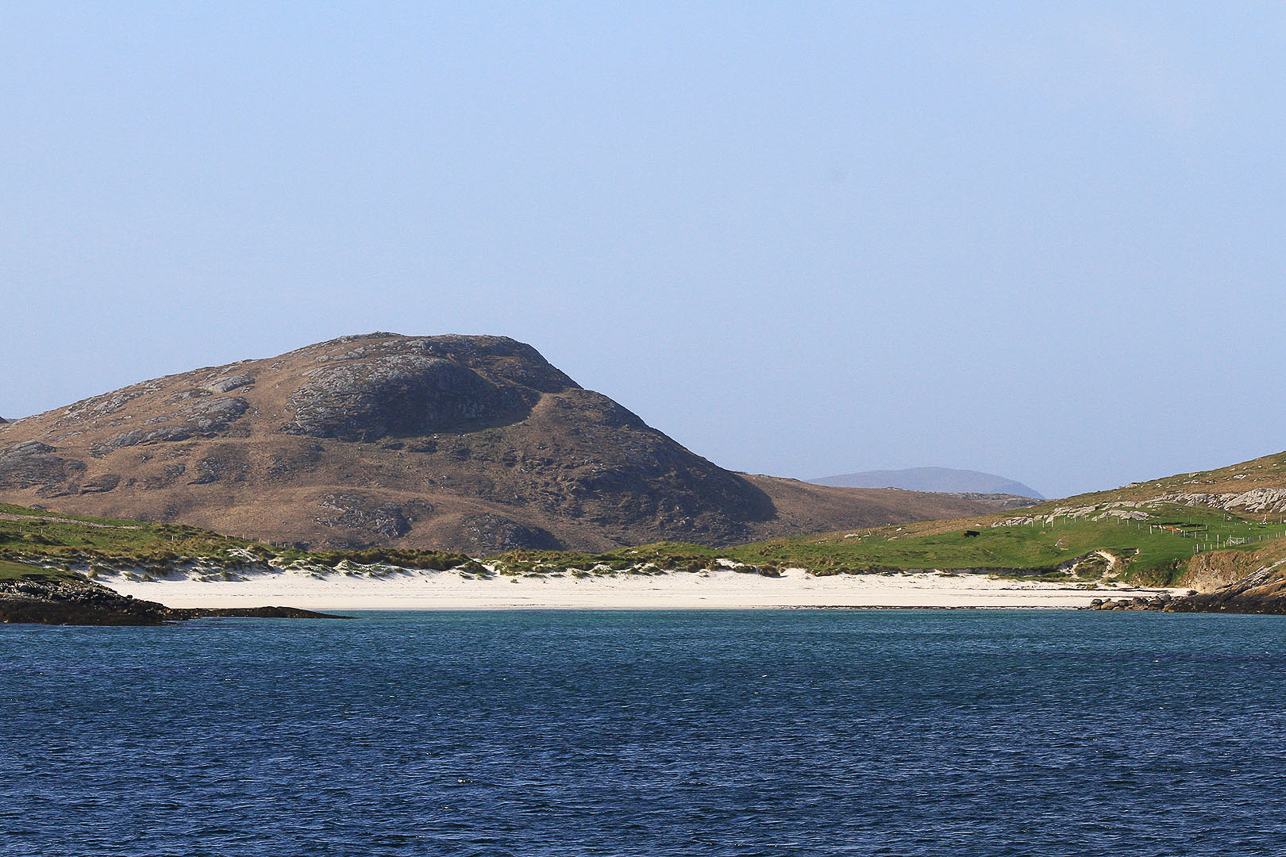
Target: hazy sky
<point x="1041" y="240"/>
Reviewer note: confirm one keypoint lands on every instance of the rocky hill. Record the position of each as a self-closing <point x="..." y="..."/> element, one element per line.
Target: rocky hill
<point x="467" y="443"/>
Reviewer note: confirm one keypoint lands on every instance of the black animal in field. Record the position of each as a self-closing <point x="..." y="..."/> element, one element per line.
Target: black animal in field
<point x="969" y="534"/>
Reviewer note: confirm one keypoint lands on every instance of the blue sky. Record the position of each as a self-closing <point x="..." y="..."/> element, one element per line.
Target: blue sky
<point x="1041" y="240"/>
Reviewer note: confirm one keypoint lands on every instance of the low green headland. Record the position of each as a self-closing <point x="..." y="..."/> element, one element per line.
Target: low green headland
<point x="1155" y="547"/>
<point x="1156" y="550"/>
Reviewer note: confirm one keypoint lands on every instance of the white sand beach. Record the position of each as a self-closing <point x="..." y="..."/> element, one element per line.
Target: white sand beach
<point x="715" y="590"/>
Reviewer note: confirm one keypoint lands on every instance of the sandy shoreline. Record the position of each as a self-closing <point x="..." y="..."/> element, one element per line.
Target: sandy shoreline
<point x="717" y="590"/>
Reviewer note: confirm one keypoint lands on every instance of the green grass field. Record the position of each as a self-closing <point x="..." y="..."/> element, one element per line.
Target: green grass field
<point x="18" y="571"/>
<point x="1153" y="551"/>
<point x="32" y="535"/>
<point x="29" y="535"/>
<point x="1156" y="551"/>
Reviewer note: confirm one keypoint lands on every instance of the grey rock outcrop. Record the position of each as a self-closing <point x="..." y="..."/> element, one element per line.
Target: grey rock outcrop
<point x="365" y="513"/>
<point x="228" y="383"/>
<point x="400" y="395"/>
<point x="32" y="464"/>
<point x="1261" y="592"/>
<point x="489" y="534"/>
<point x="1256" y="501"/>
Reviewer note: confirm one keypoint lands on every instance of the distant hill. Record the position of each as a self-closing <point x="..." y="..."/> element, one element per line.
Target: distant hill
<point x="1206" y="530"/>
<point x="468" y="443"/>
<point x="940" y="479"/>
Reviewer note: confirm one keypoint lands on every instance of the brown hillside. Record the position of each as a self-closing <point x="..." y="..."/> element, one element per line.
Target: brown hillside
<point x="468" y="443"/>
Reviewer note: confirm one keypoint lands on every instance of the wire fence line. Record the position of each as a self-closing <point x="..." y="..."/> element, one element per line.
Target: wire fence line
<point x="1208" y="535"/>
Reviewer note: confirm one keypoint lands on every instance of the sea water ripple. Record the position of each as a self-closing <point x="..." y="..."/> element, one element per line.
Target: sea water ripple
<point x="644" y="733"/>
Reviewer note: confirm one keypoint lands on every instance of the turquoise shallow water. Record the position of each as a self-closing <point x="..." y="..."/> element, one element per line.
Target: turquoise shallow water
<point x="578" y="733"/>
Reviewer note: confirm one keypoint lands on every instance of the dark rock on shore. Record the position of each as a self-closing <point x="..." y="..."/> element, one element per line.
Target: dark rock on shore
<point x="72" y="601"/>
<point x="247" y="613"/>
<point x="1261" y="592"/>
<point x="1156" y="602"/>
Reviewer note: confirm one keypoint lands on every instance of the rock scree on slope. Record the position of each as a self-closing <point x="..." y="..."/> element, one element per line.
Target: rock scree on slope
<point x="471" y="443"/>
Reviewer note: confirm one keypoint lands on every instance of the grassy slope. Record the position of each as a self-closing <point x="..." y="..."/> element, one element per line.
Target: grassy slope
<point x="18" y="571"/>
<point x="39" y="533"/>
<point x="35" y="535"/>
<point x="1157" y="550"/>
<point x="1266" y="472"/>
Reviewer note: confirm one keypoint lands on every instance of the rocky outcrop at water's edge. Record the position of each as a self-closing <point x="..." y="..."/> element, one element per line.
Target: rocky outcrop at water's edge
<point x="71" y="601"/>
<point x="1261" y="592"/>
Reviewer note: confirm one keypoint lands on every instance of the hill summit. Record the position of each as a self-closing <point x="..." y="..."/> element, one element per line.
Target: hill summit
<point x="471" y="443"/>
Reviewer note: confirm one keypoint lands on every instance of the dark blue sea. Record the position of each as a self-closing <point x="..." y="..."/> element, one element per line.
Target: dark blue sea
<point x="649" y="733"/>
